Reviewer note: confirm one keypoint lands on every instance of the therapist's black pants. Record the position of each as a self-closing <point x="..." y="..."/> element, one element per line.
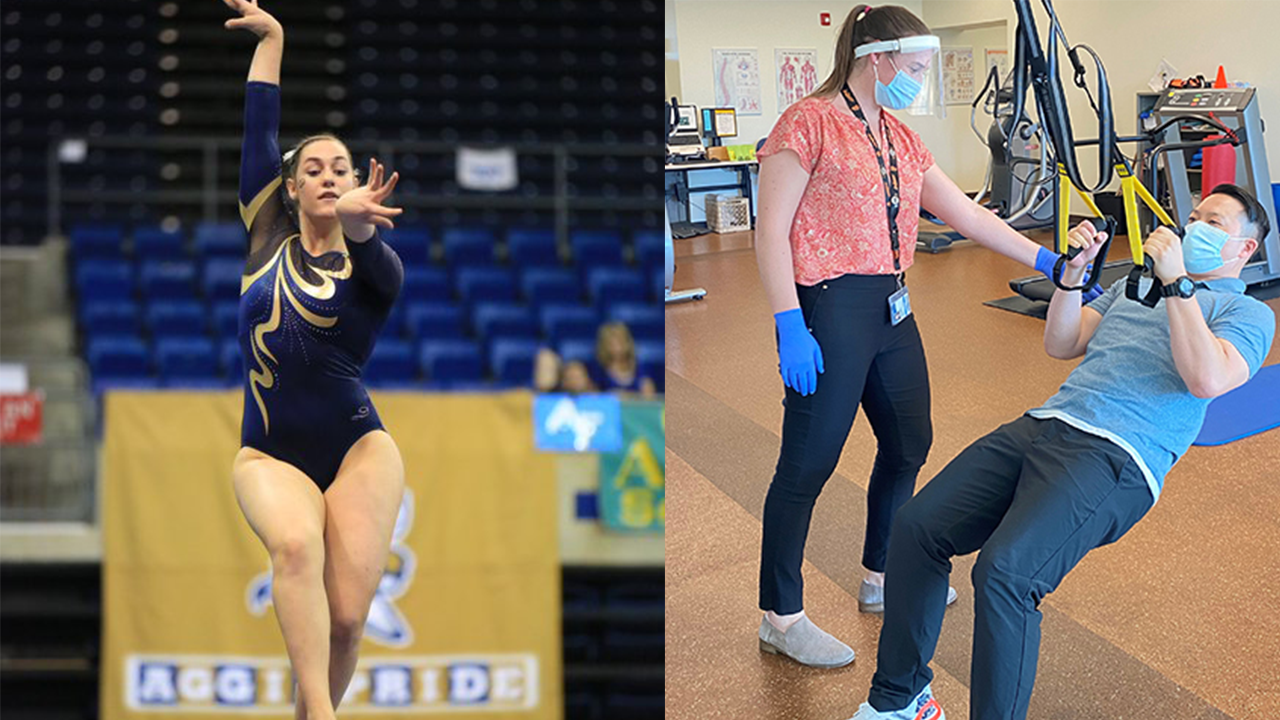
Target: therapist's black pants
<point x="1035" y="496"/>
<point x="869" y="362"/>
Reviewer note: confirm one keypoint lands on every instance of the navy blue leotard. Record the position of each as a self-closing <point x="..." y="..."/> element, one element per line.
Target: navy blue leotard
<point x="307" y="323"/>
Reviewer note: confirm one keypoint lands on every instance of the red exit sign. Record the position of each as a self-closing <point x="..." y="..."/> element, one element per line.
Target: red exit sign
<point x="21" y="418"/>
<point x="824" y="18"/>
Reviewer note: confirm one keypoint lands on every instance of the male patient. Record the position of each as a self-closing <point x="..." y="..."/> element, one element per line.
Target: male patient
<point x="1076" y="473"/>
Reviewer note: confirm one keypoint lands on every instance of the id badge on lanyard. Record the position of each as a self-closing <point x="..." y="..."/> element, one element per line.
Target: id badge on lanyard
<point x="899" y="304"/>
<point x="900" y="300"/>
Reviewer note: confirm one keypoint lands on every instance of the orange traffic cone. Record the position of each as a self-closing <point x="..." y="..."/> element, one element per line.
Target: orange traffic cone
<point x="1221" y="82"/>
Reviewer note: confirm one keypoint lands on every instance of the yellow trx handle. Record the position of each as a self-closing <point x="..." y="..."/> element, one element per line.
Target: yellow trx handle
<point x="1130" y="189"/>
<point x="1064" y="206"/>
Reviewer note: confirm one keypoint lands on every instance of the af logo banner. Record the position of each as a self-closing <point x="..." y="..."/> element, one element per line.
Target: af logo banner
<point x="577" y="423"/>
<point x="633" y="483"/>
<point x="467" y="614"/>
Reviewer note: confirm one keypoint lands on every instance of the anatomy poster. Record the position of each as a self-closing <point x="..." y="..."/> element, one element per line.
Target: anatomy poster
<point x="797" y="72"/>
<point x="737" y="80"/>
<point x="957" y="75"/>
<point x="999" y="59"/>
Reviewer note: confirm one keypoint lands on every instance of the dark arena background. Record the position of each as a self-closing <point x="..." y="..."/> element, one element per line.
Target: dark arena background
<point x="526" y="135"/>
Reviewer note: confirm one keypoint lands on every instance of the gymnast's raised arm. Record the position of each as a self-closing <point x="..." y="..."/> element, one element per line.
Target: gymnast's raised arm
<point x="260" y="206"/>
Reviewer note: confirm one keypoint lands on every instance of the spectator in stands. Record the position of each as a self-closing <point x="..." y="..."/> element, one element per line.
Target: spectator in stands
<point x="551" y="374"/>
<point x="618" y="370"/>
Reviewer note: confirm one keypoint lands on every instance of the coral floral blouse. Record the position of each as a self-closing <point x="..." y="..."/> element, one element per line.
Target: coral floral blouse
<point x="841" y="226"/>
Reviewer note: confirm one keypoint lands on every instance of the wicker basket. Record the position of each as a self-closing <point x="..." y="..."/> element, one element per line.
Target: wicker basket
<point x="728" y="214"/>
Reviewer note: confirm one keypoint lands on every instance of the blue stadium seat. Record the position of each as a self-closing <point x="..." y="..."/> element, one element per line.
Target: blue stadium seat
<point x="511" y="361"/>
<point x="227" y="239"/>
<point x="650" y="247"/>
<point x="110" y="317"/>
<point x="592" y="248"/>
<point x="563" y="322"/>
<point x="579" y="349"/>
<point x="187" y="362"/>
<point x="154" y="243"/>
<point x="98" y="279"/>
<point x="541" y="286"/>
<point x="424" y="284"/>
<point x="650" y="351"/>
<point x="532" y="247"/>
<point x="393" y="325"/>
<point x="229" y="361"/>
<point x="658" y="285"/>
<point x="646" y="322"/>
<point x="650" y="356"/>
<point x="118" y="358"/>
<point x="451" y="362"/>
<point x="467" y="246"/>
<point x="96" y="241"/>
<point x="226" y="319"/>
<point x="506" y="319"/>
<point x="436" y="321"/>
<point x="167" y="280"/>
<point x="480" y="284"/>
<point x="609" y="286"/>
<point x="168" y="319"/>
<point x="412" y="244"/>
<point x="221" y="279"/>
<point x="391" y="364"/>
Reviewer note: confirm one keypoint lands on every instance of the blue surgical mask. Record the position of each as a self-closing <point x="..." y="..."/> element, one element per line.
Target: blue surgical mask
<point x="899" y="93"/>
<point x="1202" y="247"/>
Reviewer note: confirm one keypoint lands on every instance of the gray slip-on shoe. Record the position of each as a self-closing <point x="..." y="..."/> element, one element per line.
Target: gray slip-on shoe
<point x="805" y="643"/>
<point x="871" y="597"/>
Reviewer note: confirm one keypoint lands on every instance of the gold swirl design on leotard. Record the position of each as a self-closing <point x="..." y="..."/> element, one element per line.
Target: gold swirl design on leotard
<point x="327" y="287"/>
<point x="263" y="377"/>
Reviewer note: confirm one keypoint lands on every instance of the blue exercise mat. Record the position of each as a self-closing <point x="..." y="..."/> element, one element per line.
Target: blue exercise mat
<point x="1247" y="410"/>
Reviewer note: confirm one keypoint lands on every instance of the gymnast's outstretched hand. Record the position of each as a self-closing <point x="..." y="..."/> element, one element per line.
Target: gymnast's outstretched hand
<point x="254" y="19"/>
<point x="362" y="208"/>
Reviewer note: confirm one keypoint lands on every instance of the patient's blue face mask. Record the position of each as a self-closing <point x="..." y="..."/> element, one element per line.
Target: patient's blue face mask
<point x="1202" y="246"/>
<point x="899" y="93"/>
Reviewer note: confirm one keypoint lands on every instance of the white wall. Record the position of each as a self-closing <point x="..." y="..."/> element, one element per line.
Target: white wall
<point x="761" y="24"/>
<point x="1131" y="37"/>
<point x="951" y="140"/>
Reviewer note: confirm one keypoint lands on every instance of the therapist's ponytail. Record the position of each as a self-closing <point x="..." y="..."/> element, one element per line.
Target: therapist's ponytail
<point x="865" y="24"/>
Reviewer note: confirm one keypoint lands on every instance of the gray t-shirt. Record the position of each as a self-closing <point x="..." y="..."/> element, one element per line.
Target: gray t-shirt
<point x="1127" y="388"/>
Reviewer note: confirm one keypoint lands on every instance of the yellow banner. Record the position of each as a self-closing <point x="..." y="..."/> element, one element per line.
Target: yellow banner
<point x="467" y="617"/>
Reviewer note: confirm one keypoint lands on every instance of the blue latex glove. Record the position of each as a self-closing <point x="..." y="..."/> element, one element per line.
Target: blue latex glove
<point x="1045" y="260"/>
<point x="799" y="357"/>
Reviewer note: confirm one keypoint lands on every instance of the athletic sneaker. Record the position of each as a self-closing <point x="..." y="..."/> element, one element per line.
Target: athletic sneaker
<point x="871" y="597"/>
<point x="924" y="707"/>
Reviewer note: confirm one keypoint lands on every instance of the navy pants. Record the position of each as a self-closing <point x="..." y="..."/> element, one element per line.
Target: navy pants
<point x="867" y="361"/>
<point x="1035" y="496"/>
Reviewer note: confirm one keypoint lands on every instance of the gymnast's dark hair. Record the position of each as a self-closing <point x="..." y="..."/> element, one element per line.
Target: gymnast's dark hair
<point x="865" y="24"/>
<point x="1257" y="223"/>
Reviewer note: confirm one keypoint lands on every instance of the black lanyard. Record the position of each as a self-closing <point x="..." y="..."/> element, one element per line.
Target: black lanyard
<point x="888" y="176"/>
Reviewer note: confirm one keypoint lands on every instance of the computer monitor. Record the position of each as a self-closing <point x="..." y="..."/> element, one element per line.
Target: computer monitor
<point x="719" y="123"/>
<point x="686" y="120"/>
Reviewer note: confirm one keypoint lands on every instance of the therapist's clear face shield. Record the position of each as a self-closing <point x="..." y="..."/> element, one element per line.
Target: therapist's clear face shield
<point x="916" y="57"/>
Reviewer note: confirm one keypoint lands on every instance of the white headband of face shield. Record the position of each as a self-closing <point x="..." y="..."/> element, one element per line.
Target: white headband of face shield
<point x="915" y="43"/>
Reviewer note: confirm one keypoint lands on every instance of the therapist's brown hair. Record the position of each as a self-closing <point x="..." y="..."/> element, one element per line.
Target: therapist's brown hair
<point x="863" y="25"/>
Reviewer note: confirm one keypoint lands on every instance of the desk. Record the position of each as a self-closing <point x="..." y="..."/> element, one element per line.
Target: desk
<point x="744" y="169"/>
